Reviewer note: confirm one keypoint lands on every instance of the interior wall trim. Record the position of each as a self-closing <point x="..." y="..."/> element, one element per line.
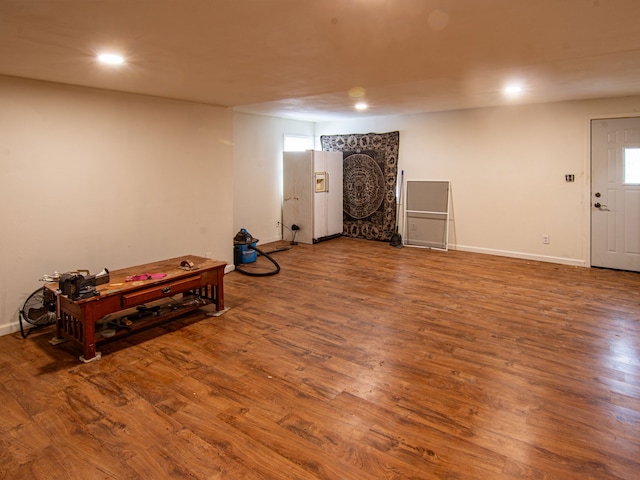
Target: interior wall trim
<point x="576" y="262"/>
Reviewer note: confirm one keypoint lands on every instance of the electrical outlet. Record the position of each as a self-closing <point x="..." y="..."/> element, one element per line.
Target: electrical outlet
<point x="413" y="227"/>
<point x="545" y="239"/>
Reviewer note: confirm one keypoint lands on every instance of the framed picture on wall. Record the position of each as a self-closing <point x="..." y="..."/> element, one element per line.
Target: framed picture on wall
<point x="322" y="182"/>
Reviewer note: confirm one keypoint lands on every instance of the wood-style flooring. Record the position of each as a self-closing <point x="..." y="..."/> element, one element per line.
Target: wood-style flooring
<point x="357" y="361"/>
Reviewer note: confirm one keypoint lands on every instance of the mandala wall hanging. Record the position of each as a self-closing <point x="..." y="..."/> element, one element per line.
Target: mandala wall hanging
<point x="370" y="175"/>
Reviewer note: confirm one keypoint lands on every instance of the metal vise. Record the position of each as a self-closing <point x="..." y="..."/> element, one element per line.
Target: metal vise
<point x="80" y="284"/>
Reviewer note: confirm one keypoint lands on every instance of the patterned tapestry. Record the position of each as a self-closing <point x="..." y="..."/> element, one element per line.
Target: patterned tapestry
<point x="370" y="175"/>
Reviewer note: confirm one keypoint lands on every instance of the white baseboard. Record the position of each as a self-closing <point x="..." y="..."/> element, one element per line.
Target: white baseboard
<point x="526" y="256"/>
<point x="270" y="240"/>
<point x="9" y="328"/>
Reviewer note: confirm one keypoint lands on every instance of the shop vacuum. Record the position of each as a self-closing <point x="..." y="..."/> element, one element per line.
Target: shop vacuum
<point x="245" y="251"/>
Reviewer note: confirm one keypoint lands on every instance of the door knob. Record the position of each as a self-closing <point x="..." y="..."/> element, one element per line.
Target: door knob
<point x="597" y="205"/>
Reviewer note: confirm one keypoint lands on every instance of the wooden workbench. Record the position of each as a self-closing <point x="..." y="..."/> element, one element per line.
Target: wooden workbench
<point x="187" y="290"/>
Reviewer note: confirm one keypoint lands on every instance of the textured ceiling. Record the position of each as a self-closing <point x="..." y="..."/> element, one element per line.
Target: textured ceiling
<point x="302" y="58"/>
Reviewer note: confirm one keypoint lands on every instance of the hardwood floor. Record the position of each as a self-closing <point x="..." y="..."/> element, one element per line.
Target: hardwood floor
<point x="357" y="361"/>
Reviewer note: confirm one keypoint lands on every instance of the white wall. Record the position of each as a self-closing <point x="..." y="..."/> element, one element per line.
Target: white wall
<point x="257" y="159"/>
<point x="507" y="168"/>
<point x="94" y="179"/>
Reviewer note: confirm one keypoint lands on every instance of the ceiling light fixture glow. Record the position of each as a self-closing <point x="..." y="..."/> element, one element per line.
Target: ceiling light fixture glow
<point x="513" y="90"/>
<point x="361" y="106"/>
<point x="111" y="58"/>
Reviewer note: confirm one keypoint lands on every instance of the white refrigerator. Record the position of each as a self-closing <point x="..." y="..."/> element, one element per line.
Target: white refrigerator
<point x="312" y="195"/>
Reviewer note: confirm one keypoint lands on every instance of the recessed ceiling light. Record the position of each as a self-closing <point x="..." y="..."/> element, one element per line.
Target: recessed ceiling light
<point x="513" y="90"/>
<point x="111" y="58"/>
<point x="361" y="106"/>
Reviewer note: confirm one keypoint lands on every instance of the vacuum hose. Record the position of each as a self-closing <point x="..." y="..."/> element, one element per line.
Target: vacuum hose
<point x="260" y="274"/>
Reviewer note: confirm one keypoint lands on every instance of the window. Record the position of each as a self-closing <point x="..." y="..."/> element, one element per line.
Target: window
<point x="297" y="143"/>
<point x="632" y="165"/>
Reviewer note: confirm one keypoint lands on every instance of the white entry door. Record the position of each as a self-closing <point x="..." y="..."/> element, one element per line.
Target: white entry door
<point x="615" y="193"/>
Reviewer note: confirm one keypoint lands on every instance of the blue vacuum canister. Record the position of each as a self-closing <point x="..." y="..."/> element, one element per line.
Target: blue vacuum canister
<point x="244" y="247"/>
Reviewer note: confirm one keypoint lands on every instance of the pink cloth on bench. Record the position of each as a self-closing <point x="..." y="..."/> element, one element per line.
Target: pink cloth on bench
<point x="145" y="276"/>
